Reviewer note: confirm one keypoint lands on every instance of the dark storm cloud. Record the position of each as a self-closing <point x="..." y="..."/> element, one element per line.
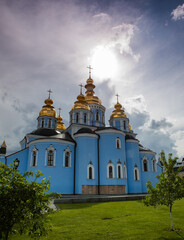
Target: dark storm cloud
<point x="163" y="123"/>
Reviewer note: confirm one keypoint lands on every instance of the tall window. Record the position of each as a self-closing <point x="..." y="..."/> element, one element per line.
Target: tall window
<point x="118" y="143"/>
<point x="90" y="171"/>
<point x="119" y="171"/>
<point x="136" y="174"/>
<point x="97" y="116"/>
<point x="67" y="159"/>
<point x="85" y="117"/>
<point x="49" y="123"/>
<point x="124" y="123"/>
<point x="50" y="158"/>
<point x="42" y="123"/>
<point x="110" y="171"/>
<point x="103" y="118"/>
<point x="77" y="117"/>
<point x="154" y="165"/>
<point x="125" y="171"/>
<point x="145" y="165"/>
<point x="34" y="158"/>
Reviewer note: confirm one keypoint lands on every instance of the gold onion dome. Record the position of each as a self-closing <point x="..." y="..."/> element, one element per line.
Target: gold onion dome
<point x="48" y="109"/>
<point x="60" y="124"/>
<point x="118" y="112"/>
<point x="4" y="144"/>
<point x="81" y="103"/>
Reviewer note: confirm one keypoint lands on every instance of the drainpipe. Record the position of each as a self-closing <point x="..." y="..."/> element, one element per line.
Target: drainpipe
<point x="98" y="166"/>
<point x="74" y="166"/>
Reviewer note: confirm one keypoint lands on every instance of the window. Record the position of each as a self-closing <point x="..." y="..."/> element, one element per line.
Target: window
<point x="125" y="171"/>
<point x="119" y="171"/>
<point x="49" y="123"/>
<point x="85" y="117"/>
<point x="42" y="123"/>
<point x="145" y="165"/>
<point x="97" y="116"/>
<point x="77" y="117"/>
<point x="50" y="158"/>
<point x="33" y="162"/>
<point x="136" y="174"/>
<point x="67" y="157"/>
<point x="110" y="171"/>
<point x="90" y="171"/>
<point x="118" y="143"/>
<point x="154" y="165"/>
<point x="124" y="123"/>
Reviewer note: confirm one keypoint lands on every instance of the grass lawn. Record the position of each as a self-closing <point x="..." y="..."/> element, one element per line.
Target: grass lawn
<point x="115" y="220"/>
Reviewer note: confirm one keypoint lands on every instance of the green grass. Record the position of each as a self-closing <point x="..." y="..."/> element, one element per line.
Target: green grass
<point x="115" y="220"/>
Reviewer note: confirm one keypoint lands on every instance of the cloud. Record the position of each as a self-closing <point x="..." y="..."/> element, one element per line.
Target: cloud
<point x="178" y="13"/>
<point x="163" y="123"/>
<point x="102" y="18"/>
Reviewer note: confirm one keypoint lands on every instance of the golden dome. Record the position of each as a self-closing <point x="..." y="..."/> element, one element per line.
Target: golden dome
<point x="118" y="112"/>
<point x="60" y="124"/>
<point x="130" y="127"/>
<point x="81" y="103"/>
<point x="4" y="144"/>
<point x="48" y="109"/>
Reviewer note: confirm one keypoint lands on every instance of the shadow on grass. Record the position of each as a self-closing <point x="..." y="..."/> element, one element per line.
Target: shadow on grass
<point x="73" y="206"/>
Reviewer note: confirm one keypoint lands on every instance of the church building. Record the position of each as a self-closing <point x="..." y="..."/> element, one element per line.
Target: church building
<point x="87" y="157"/>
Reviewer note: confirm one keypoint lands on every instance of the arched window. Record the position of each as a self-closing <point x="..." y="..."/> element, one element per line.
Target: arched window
<point x="136" y="174"/>
<point x="67" y="158"/>
<point x="125" y="171"/>
<point x="145" y="165"/>
<point x="50" y="156"/>
<point x="85" y="117"/>
<point x="49" y="123"/>
<point x="42" y="123"/>
<point x="118" y="143"/>
<point x="77" y="117"/>
<point x="90" y="172"/>
<point x="110" y="171"/>
<point x="154" y="165"/>
<point x="97" y="116"/>
<point x="119" y="171"/>
<point x="34" y="159"/>
<point x="34" y="154"/>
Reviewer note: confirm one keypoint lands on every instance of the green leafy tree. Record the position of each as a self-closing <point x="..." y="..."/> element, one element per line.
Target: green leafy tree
<point x="24" y="205"/>
<point x="169" y="188"/>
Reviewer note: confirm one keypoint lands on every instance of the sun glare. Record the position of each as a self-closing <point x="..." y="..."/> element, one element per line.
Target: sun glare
<point x="104" y="62"/>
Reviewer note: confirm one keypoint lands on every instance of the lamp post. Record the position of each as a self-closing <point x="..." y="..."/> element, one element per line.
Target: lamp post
<point x="16" y="163"/>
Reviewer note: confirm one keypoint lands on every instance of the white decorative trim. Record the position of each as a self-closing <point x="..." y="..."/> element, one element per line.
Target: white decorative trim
<point x="93" y="172"/>
<point x="145" y="159"/>
<point x="67" y="150"/>
<point x="121" y="170"/>
<point x="31" y="160"/>
<point x="48" y="140"/>
<point x="50" y="148"/>
<point x="125" y="171"/>
<point x="111" y="131"/>
<point x="132" y="140"/>
<point x="110" y="165"/>
<point x="154" y="160"/>
<point x="86" y="135"/>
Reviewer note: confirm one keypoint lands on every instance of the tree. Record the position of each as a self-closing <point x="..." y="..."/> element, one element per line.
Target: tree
<point x="169" y="188"/>
<point x="23" y="204"/>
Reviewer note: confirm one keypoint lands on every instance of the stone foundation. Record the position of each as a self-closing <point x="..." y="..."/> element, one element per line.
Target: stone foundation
<point x="104" y="189"/>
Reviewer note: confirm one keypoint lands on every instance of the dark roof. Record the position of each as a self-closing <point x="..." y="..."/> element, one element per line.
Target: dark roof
<point x="85" y="130"/>
<point x="129" y="137"/>
<point x="106" y="128"/>
<point x="3" y="150"/>
<point x="52" y="133"/>
<point x="141" y="148"/>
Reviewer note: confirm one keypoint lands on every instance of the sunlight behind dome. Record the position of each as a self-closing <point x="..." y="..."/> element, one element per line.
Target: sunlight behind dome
<point x="104" y="62"/>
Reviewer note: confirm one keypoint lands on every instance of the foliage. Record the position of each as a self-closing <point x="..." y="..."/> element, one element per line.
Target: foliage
<point x="169" y="188"/>
<point x="23" y="204"/>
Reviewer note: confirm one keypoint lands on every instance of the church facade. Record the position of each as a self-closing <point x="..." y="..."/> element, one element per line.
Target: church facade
<point x="87" y="157"/>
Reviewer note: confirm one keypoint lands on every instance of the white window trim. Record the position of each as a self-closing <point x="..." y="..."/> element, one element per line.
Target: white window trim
<point x="46" y="155"/>
<point x="121" y="171"/>
<point x="64" y="155"/>
<point x="31" y="162"/>
<point x="110" y="165"/>
<point x="118" y="139"/>
<point x="153" y="159"/>
<point x="145" y="158"/>
<point x="136" y="168"/>
<point x="125" y="171"/>
<point x="93" y="171"/>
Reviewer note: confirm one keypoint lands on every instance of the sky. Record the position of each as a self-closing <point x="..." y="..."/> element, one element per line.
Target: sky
<point x="135" y="48"/>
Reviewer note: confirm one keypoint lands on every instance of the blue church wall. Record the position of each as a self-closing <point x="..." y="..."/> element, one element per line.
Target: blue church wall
<point x="150" y="173"/>
<point x="109" y="155"/>
<point x="86" y="153"/>
<point x="46" y="122"/>
<point x="22" y="156"/>
<point x="58" y="172"/>
<point x="96" y="122"/>
<point x="133" y="162"/>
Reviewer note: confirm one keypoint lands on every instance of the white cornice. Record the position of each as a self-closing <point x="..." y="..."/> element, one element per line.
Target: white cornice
<point x="111" y="131"/>
<point x="85" y="135"/>
<point x="49" y="141"/>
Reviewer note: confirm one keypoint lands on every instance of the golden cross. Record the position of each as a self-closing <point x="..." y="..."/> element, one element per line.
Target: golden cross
<point x="89" y="70"/>
<point x="81" y="86"/>
<point x="117" y="97"/>
<point x="49" y="92"/>
<point x="59" y="110"/>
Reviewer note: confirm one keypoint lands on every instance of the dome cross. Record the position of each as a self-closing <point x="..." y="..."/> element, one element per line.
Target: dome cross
<point x="81" y="86"/>
<point x="90" y="68"/>
<point x="117" y="98"/>
<point x="49" y="91"/>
